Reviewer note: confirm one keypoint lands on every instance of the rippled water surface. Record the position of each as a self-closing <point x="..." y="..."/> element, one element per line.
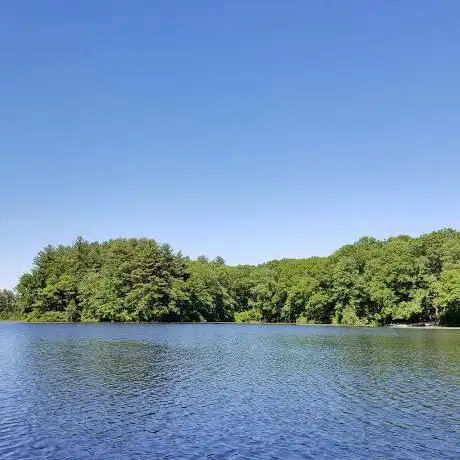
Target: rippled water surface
<point x="228" y="391"/>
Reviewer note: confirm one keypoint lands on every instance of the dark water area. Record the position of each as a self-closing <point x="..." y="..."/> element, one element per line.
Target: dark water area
<point x="100" y="391"/>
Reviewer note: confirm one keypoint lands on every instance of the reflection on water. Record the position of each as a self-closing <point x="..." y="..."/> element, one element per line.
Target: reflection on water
<point x="228" y="391"/>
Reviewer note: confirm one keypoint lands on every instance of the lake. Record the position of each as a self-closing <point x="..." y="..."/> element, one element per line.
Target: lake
<point x="222" y="391"/>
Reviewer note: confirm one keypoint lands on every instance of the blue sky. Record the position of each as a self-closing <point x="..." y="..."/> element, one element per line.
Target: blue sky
<point x="248" y="129"/>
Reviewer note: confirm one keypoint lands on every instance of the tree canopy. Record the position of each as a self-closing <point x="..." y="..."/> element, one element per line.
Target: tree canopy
<point x="371" y="282"/>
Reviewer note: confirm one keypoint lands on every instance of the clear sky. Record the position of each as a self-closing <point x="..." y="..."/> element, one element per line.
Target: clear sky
<point x="250" y="129"/>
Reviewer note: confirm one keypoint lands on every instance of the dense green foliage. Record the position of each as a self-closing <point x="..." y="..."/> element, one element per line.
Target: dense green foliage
<point x="371" y="282"/>
<point x="7" y="304"/>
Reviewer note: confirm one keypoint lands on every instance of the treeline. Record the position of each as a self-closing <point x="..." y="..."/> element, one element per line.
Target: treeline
<point x="370" y="282"/>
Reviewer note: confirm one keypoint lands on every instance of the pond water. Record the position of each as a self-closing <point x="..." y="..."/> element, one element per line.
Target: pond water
<point x="222" y="391"/>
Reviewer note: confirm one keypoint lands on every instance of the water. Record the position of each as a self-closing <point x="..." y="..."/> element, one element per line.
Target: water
<point x="227" y="391"/>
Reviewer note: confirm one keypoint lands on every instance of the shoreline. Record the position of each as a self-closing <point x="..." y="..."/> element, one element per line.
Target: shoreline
<point x="252" y="323"/>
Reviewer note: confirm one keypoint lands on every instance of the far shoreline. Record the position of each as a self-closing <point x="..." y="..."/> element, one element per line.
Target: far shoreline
<point x="249" y="323"/>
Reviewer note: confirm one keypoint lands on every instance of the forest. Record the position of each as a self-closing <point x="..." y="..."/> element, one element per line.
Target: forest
<point x="368" y="283"/>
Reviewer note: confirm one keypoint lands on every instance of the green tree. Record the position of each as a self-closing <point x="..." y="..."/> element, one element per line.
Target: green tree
<point x="448" y="297"/>
<point x="8" y="306"/>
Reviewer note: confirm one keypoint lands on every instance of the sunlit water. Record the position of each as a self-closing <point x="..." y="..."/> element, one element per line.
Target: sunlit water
<point x="228" y="391"/>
